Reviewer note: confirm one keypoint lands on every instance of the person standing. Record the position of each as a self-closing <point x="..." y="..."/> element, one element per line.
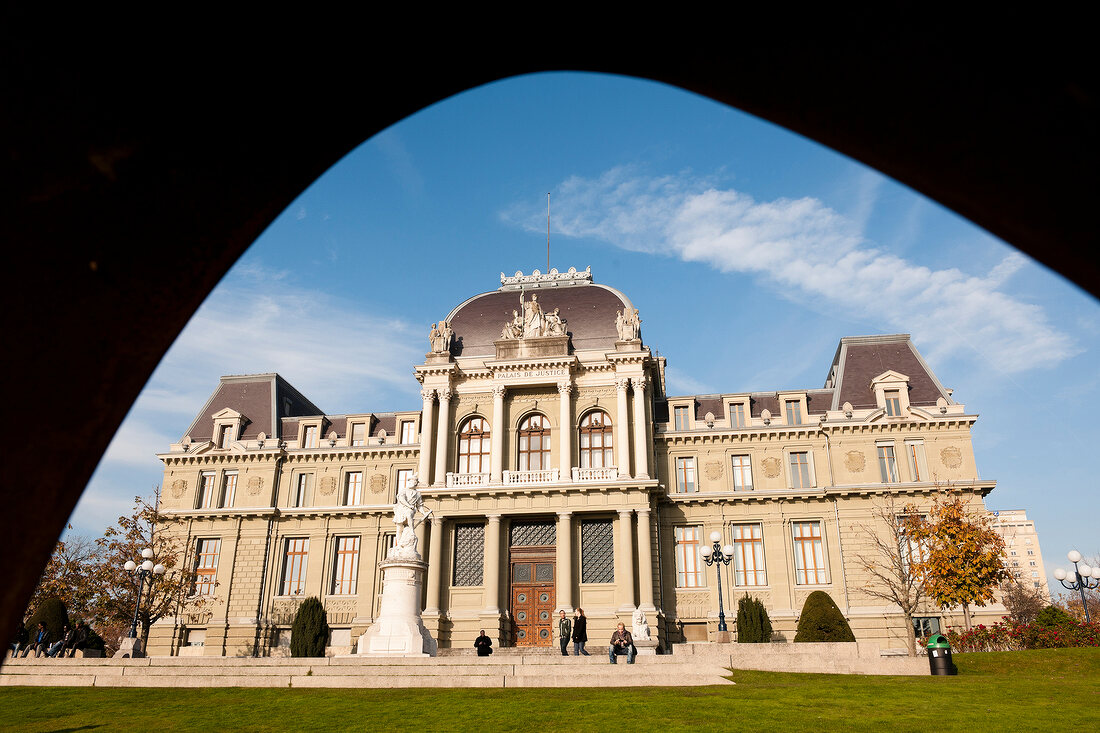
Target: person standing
<point x="580" y="633"/>
<point x="565" y="632"/>
<point x="621" y="643"/>
<point x="483" y="644"/>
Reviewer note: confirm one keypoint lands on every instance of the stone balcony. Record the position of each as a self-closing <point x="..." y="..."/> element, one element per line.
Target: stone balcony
<point x="609" y="473"/>
<point x="527" y="478"/>
<point x="455" y="480"/>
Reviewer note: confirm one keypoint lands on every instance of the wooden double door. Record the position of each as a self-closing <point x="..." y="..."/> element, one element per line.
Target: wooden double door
<point x="532" y="597"/>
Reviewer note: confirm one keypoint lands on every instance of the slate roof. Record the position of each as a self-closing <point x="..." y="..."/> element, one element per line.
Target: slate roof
<point x="262" y="398"/>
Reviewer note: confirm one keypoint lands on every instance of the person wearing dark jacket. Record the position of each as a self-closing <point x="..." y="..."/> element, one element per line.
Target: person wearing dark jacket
<point x="580" y="633"/>
<point x="58" y="647"/>
<point x="622" y="642"/>
<point x="483" y="644"/>
<point x="19" y="640"/>
<point x="77" y="640"/>
<point x="565" y="633"/>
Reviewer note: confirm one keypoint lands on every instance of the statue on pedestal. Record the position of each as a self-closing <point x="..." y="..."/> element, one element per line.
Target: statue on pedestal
<point x="555" y="324"/>
<point x="641" y="628"/>
<point x="534" y="323"/>
<point x="628" y="324"/>
<point x="440" y="337"/>
<point x="406" y="515"/>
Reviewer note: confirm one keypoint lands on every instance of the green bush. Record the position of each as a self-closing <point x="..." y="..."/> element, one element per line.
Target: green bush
<point x="1051" y="617"/>
<point x="52" y="612"/>
<point x="821" y="620"/>
<point x="309" y="634"/>
<point x="753" y="624"/>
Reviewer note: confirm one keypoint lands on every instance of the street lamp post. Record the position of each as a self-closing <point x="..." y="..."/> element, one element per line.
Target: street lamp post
<point x="718" y="556"/>
<point x="1081" y="579"/>
<point x="145" y="570"/>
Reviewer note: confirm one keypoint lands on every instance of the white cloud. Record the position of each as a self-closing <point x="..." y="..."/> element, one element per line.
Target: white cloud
<point x="805" y="250"/>
<point x="680" y="383"/>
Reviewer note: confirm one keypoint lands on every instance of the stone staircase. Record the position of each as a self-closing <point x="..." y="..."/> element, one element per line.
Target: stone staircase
<point x="457" y="670"/>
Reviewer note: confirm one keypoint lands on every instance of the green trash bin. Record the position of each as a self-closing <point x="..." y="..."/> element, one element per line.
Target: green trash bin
<point x="939" y="656"/>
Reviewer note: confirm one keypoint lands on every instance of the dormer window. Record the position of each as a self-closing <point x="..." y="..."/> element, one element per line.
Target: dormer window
<point x="737" y="415"/>
<point x="793" y="412"/>
<point x="228" y="427"/>
<point x="358" y="433"/>
<point x="223" y="436"/>
<point x="309" y="436"/>
<point x="408" y="432"/>
<point x="680" y="418"/>
<point x="893" y="402"/>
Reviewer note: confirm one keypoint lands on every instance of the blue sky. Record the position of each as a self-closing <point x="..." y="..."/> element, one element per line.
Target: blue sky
<point x="749" y="250"/>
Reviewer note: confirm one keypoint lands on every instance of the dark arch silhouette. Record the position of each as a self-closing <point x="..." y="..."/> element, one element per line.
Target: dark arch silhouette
<point x="141" y="162"/>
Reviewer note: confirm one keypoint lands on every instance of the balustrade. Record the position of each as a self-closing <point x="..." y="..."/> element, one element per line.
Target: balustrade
<point x="608" y="473"/>
<point x="467" y="479"/>
<point x="548" y="476"/>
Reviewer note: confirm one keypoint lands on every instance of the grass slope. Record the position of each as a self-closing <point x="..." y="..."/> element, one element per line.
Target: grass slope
<point x="999" y="691"/>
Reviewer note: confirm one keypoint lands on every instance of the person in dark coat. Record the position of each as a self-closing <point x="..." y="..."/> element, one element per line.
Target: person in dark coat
<point x="621" y="643"/>
<point x="40" y="642"/>
<point x="77" y="640"/>
<point x="483" y="644"/>
<point x="565" y="633"/>
<point x="580" y="633"/>
<point x="19" y="640"/>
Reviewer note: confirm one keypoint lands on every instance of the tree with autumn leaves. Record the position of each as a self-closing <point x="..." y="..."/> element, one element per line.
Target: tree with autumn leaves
<point x="962" y="558"/>
<point x="89" y="577"/>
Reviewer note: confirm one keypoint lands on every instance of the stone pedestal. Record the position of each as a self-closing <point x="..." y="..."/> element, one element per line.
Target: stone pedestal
<point x="722" y="637"/>
<point x="399" y="629"/>
<point x="130" y="649"/>
<point x="646" y="647"/>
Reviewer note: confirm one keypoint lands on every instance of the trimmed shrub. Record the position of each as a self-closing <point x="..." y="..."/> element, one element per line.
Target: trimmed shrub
<point x="52" y="611"/>
<point x="1052" y="617"/>
<point x="753" y="624"/>
<point x="309" y="634"/>
<point x="821" y="620"/>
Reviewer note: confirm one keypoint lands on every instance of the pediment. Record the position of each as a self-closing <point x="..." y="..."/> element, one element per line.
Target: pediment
<point x="890" y="376"/>
<point x="228" y="414"/>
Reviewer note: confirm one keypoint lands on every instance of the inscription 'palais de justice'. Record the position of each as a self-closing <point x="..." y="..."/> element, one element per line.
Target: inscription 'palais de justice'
<point x="531" y="374"/>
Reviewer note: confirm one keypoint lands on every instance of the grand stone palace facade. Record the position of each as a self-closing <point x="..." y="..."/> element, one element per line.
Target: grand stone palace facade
<point x="560" y="476"/>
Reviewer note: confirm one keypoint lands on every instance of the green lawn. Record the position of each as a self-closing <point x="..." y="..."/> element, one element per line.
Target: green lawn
<point x="1000" y="691"/>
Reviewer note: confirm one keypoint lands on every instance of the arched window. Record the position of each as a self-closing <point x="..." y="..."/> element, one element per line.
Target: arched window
<point x="473" y="446"/>
<point x="534" y="444"/>
<point x="596" y="441"/>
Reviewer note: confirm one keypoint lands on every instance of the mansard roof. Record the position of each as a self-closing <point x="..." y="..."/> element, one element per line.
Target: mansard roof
<point x="588" y="309"/>
<point x="262" y="398"/>
<point x="859" y="359"/>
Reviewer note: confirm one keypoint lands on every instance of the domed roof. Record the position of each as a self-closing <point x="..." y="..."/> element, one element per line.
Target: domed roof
<point x="587" y="308"/>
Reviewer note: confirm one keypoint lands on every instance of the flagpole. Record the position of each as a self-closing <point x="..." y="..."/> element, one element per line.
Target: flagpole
<point x="548" y="232"/>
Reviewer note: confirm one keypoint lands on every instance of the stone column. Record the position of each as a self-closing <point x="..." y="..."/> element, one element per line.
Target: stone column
<point x="565" y="562"/>
<point x="442" y="437"/>
<point x="496" y="435"/>
<point x="641" y="448"/>
<point x="435" y="561"/>
<point x="426" y="416"/>
<point x="622" y="434"/>
<point x="565" y="440"/>
<point x="645" y="561"/>
<point x="492" y="565"/>
<point x="626" y="560"/>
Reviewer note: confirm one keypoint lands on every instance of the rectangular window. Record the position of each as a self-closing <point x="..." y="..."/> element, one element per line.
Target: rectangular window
<point x="685" y="475"/>
<point x="309" y="437"/>
<point x="358" y="433"/>
<point x="196" y="637"/>
<point x="597" y="551"/>
<point x="794" y="412"/>
<point x="408" y="432"/>
<point x="207" y="491"/>
<point x="1030" y="552"/>
<point x="800" y="470"/>
<point x="404" y="476"/>
<point x="346" y="568"/>
<point x="223" y="436"/>
<point x="206" y="566"/>
<point x="742" y="473"/>
<point x="353" y="492"/>
<point x="887" y="464"/>
<point x="229" y="489"/>
<point x="300" y="488"/>
<point x="914" y="451"/>
<point x="294" y="566"/>
<point x="748" y="555"/>
<point x="469" y="555"/>
<point x="690" y="572"/>
<point x="809" y="558"/>
<point x="737" y="415"/>
<point x="681" y="414"/>
<point x="893" y="403"/>
<point x="924" y="626"/>
<point x="1032" y="563"/>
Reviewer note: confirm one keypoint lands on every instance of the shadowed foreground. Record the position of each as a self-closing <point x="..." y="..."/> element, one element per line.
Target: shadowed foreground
<point x="1000" y="691"/>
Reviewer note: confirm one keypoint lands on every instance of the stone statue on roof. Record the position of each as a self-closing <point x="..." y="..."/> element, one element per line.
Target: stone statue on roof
<point x="440" y="337"/>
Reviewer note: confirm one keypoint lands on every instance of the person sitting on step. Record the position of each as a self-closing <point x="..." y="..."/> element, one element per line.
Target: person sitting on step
<point x="621" y="643"/>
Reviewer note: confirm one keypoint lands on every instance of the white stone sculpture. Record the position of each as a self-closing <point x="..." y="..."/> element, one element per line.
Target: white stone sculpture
<point x="555" y="324"/>
<point x="641" y="628"/>
<point x="534" y="323"/>
<point x="406" y="515"/>
<point x="440" y="337"/>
